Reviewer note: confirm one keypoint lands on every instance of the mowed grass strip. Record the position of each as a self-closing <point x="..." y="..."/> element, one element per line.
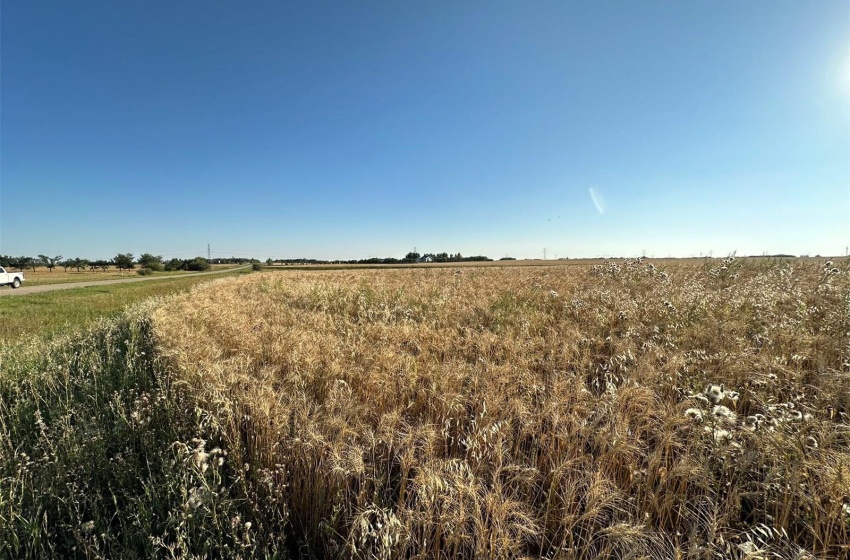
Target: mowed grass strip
<point x="50" y="312"/>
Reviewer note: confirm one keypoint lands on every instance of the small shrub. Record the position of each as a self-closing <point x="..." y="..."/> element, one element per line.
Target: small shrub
<point x="257" y="267"/>
<point x="147" y="271"/>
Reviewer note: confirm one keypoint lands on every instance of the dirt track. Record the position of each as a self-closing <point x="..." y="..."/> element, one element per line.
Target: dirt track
<point x="22" y="291"/>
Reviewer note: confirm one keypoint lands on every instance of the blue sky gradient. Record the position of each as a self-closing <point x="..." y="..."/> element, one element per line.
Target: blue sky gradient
<point x="342" y="130"/>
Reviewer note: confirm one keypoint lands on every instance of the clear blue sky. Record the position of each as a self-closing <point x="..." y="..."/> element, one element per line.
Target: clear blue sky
<point x="344" y="130"/>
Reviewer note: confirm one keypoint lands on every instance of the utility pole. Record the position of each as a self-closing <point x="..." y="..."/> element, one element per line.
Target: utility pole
<point x="208" y="251"/>
<point x="544" y="253"/>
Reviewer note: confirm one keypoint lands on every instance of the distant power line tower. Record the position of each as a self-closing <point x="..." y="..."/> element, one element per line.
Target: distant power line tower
<point x="544" y="253"/>
<point x="208" y="251"/>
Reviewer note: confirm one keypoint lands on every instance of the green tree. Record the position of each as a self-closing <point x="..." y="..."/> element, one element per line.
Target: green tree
<point x="175" y="264"/>
<point x="124" y="261"/>
<point x="50" y="262"/>
<point x="24" y="263"/>
<point x="80" y="264"/>
<point x="150" y="261"/>
<point x="198" y="264"/>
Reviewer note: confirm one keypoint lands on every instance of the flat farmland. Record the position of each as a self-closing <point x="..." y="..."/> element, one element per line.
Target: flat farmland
<point x="475" y="264"/>
<point x="608" y="410"/>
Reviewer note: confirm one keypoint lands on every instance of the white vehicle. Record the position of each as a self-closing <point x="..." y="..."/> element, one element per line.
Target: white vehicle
<point x="13" y="279"/>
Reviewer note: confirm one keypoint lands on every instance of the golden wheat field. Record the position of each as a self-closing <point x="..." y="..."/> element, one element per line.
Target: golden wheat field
<point x="619" y="410"/>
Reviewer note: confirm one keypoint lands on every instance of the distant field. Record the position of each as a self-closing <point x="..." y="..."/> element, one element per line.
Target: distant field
<point x="702" y="262"/>
<point x="497" y="263"/>
<point x="660" y="409"/>
<point x="42" y="276"/>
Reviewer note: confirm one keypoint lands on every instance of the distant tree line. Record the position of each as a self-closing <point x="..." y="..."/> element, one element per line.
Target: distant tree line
<point x="148" y="262"/>
<point x="155" y="263"/>
<point x="441" y="257"/>
<point x="233" y="260"/>
<point x="411" y="257"/>
<point x="121" y="261"/>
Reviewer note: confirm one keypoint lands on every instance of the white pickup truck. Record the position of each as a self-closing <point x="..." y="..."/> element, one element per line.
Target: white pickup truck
<point x="13" y="279"/>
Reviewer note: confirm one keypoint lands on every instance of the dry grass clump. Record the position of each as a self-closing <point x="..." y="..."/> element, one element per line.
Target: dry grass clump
<point x="562" y="412"/>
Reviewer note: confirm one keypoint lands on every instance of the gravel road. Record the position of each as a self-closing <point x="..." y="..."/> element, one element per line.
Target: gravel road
<point x="22" y="291"/>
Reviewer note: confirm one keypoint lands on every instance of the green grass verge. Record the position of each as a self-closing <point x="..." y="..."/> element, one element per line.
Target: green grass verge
<point x="51" y="312"/>
<point x="103" y="455"/>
